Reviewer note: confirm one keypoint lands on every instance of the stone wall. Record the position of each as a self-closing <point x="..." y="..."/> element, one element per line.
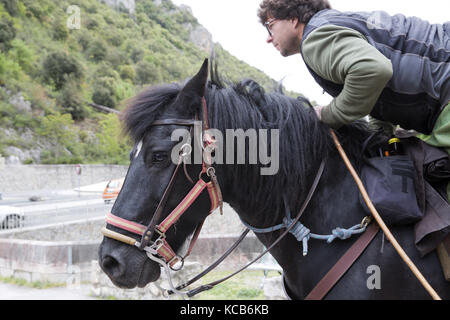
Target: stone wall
<point x="81" y="230"/>
<point x="35" y="253"/>
<point x="18" y="178"/>
<point x="53" y="253"/>
<point x="68" y="253"/>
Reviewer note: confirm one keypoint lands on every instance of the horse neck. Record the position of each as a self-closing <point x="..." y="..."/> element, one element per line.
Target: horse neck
<point x="259" y="198"/>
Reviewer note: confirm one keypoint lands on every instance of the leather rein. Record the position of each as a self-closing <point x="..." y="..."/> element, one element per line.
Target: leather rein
<point x="161" y="252"/>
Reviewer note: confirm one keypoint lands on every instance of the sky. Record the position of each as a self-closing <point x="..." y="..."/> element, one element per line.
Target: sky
<point x="234" y="24"/>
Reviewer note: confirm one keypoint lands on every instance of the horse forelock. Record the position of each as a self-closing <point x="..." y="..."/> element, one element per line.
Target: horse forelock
<point x="145" y="108"/>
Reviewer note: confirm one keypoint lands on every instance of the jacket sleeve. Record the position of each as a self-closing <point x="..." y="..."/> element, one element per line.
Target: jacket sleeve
<point x="343" y="56"/>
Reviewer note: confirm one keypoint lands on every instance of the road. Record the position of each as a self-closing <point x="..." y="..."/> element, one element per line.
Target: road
<point x="14" y="292"/>
<point x="53" y="207"/>
<point x="58" y="206"/>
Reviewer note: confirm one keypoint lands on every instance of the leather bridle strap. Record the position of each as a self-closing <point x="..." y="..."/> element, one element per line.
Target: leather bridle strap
<point x="147" y="235"/>
<point x="214" y="265"/>
<point x="163" y="248"/>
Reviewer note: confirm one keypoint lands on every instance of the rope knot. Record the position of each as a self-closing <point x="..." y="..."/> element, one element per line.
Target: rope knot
<point x="300" y="232"/>
<point x="342" y="234"/>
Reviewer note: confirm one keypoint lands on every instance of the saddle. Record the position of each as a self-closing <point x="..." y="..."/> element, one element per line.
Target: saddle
<point x="428" y="207"/>
<point x="433" y="174"/>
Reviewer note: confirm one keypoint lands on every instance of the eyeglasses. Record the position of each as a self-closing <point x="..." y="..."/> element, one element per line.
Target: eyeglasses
<point x="268" y="24"/>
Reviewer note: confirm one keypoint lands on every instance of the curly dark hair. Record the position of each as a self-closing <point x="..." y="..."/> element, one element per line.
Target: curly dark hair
<point x="303" y="10"/>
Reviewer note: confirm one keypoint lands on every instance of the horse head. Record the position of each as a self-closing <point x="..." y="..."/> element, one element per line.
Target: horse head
<point x="154" y="187"/>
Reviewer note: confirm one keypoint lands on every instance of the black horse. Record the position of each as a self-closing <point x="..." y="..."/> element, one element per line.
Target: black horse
<point x="259" y="199"/>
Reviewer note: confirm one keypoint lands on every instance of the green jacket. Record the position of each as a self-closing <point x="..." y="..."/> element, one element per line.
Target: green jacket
<point x="343" y="56"/>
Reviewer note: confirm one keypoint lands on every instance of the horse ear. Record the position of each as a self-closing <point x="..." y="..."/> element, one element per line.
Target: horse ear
<point x="188" y="100"/>
<point x="198" y="83"/>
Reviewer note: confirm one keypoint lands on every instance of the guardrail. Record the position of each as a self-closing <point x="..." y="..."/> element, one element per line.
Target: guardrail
<point x="57" y="215"/>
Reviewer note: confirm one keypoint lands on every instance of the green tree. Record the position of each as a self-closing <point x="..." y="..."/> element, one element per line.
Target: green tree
<point x="97" y="50"/>
<point x="22" y="54"/>
<point x="7" y="33"/>
<point x="60" y="31"/>
<point x="104" y="97"/>
<point x="127" y="72"/>
<point x="11" y="6"/>
<point x="9" y="69"/>
<point x="147" y="73"/>
<point x="104" y="91"/>
<point x="113" y="147"/>
<point x="59" y="66"/>
<point x="59" y="130"/>
<point x="71" y="100"/>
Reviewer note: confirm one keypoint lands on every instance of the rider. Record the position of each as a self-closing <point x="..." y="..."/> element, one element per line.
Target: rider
<point x="393" y="68"/>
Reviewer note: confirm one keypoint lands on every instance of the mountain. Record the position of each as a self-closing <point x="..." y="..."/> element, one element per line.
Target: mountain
<point x="60" y="59"/>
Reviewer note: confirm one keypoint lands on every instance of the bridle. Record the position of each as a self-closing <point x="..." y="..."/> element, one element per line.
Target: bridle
<point x="160" y="248"/>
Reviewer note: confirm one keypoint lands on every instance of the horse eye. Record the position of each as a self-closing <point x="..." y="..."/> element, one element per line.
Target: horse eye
<point x="159" y="157"/>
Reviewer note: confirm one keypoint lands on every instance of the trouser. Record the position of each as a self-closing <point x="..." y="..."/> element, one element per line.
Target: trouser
<point x="440" y="136"/>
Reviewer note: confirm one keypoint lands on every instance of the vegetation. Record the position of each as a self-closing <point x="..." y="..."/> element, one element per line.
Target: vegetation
<point x="58" y="68"/>
<point x="35" y="284"/>
<point x="244" y="286"/>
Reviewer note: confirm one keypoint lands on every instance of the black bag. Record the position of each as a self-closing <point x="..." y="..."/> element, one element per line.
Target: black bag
<point x="389" y="181"/>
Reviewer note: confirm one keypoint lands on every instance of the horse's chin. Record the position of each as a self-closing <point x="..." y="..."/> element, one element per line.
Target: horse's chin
<point x="150" y="273"/>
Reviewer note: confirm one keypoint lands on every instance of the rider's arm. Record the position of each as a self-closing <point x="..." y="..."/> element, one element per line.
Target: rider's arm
<point x="343" y="56"/>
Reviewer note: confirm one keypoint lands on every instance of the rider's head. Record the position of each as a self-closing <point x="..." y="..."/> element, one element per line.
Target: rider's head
<point x="303" y="10"/>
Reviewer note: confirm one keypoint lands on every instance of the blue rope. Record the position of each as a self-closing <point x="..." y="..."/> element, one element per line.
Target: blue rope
<point x="303" y="234"/>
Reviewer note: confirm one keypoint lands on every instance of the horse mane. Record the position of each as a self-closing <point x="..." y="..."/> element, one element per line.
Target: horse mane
<point x="304" y="140"/>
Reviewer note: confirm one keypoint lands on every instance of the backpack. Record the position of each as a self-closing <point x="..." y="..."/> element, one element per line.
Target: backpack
<point x="400" y="200"/>
<point x="390" y="184"/>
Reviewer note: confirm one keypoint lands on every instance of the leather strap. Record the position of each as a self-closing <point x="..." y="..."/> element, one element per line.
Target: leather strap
<point x="148" y="233"/>
<point x="214" y="265"/>
<point x="345" y="262"/>
<point x="311" y="192"/>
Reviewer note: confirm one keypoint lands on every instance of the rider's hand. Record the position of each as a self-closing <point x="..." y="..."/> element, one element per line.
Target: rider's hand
<point x="318" y="110"/>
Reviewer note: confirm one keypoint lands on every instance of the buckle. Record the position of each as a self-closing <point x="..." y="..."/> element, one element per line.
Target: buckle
<point x="208" y="174"/>
<point x="183" y="152"/>
<point x="158" y="242"/>
<point x="157" y="245"/>
<point x="366" y="221"/>
<point x="180" y="261"/>
<point x="211" y="172"/>
<point x="162" y="235"/>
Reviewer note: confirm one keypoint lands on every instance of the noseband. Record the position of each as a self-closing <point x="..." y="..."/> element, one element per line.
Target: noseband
<point x="160" y="246"/>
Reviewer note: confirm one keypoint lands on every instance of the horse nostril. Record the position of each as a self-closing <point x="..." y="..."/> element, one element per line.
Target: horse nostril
<point x="111" y="266"/>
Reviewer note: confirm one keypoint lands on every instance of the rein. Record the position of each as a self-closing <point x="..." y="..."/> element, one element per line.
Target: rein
<point x="211" y="285"/>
